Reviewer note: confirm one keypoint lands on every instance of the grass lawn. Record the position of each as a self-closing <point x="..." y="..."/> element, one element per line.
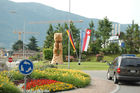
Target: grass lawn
<point x="92" y="65"/>
<point x="84" y="66"/>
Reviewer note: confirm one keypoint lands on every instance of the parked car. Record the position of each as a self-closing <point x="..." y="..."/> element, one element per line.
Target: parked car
<point x="124" y="68"/>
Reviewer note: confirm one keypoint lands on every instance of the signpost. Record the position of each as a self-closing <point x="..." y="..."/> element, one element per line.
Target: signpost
<point x="25" y="68"/>
<point x="10" y="59"/>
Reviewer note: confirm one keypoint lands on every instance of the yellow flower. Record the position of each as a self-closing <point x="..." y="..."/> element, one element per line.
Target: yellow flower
<point x="1" y="85"/>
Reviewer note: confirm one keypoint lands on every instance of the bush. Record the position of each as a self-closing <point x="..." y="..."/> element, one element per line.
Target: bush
<point x="47" y="53"/>
<point x="72" y="59"/>
<point x="7" y="86"/>
<point x="36" y="57"/>
<point x="99" y="57"/>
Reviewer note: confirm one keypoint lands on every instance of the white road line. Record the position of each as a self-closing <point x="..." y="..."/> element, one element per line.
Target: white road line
<point x="116" y="90"/>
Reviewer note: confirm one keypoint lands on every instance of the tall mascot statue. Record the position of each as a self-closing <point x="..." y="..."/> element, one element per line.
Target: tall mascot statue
<point x="58" y="49"/>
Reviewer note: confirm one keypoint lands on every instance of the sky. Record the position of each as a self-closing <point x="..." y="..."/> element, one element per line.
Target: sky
<point x="122" y="11"/>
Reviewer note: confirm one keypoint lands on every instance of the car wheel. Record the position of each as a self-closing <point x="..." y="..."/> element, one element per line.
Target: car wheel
<point x="115" y="79"/>
<point x="108" y="76"/>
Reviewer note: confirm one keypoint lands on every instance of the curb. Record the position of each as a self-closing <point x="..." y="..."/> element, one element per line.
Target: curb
<point x="116" y="90"/>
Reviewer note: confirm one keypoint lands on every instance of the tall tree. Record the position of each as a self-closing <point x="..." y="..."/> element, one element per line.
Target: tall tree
<point x="48" y="43"/>
<point x="137" y="38"/>
<point x="92" y="38"/>
<point x="91" y="26"/>
<point x="132" y="38"/>
<point x="33" y="44"/>
<point x="18" y="45"/>
<point x="104" y="30"/>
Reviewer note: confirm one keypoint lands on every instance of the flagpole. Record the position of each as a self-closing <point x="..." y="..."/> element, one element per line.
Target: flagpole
<point x="69" y="38"/>
<point x="80" y="50"/>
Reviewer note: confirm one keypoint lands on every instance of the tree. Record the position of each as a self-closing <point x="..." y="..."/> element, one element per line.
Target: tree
<point x="91" y="43"/>
<point x="102" y="35"/>
<point x="132" y="38"/>
<point x="104" y="30"/>
<point x="48" y="43"/>
<point x="91" y="26"/>
<point x="17" y="45"/>
<point x="122" y="35"/>
<point x="137" y="38"/>
<point x="33" y="44"/>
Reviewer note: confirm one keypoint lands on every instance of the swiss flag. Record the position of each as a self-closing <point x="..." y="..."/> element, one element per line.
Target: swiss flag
<point x="86" y="39"/>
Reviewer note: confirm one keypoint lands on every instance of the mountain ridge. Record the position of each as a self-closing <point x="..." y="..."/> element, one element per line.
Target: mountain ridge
<point x="29" y="12"/>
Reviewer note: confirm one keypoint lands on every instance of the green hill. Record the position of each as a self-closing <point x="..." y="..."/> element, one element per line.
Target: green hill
<point x="28" y="12"/>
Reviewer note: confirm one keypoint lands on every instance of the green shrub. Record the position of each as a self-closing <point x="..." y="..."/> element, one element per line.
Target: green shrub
<point x="7" y="86"/>
<point x="99" y="57"/>
<point x="36" y="57"/>
<point x="47" y="53"/>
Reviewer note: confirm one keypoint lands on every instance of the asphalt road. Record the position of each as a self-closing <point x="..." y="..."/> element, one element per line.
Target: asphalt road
<point x="129" y="88"/>
<point x="124" y="87"/>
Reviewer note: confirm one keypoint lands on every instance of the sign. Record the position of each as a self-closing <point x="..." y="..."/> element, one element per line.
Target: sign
<point x="26" y="67"/>
<point x="10" y="59"/>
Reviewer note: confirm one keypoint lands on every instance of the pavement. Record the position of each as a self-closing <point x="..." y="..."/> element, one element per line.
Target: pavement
<point x="97" y="85"/>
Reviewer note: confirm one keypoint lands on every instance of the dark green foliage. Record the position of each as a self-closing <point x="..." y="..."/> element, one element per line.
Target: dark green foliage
<point x="104" y="30"/>
<point x="100" y="56"/>
<point x="47" y="53"/>
<point x="48" y="43"/>
<point x="132" y="38"/>
<point x="17" y="45"/>
<point x="32" y="44"/>
<point x="36" y="57"/>
<point x="7" y="88"/>
<point x="112" y="48"/>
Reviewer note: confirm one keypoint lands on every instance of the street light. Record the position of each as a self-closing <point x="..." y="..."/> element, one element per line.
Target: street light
<point x="14" y="12"/>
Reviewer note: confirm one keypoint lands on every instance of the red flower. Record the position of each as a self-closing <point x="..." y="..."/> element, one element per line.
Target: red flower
<point x="38" y="82"/>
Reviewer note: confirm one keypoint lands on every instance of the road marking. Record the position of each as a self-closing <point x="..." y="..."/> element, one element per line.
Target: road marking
<point x="116" y="90"/>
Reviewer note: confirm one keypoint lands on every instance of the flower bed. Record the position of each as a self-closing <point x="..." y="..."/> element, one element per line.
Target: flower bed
<point x="75" y="77"/>
<point x="45" y="84"/>
<point x="41" y="79"/>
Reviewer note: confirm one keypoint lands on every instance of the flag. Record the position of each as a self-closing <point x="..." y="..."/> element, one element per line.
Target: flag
<point x="71" y="40"/>
<point x="82" y="38"/>
<point x="86" y="39"/>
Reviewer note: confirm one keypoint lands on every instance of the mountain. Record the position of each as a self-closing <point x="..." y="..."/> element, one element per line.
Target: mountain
<point x="14" y="15"/>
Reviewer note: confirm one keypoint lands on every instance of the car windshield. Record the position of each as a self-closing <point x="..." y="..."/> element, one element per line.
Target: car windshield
<point x="132" y="62"/>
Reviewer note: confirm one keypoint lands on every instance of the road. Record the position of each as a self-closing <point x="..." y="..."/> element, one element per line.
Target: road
<point x="123" y="87"/>
<point x="129" y="88"/>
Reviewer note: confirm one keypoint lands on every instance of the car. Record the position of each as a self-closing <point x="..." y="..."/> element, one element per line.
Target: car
<point x="124" y="68"/>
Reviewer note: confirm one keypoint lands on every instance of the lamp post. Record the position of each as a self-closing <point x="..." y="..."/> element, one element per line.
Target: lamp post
<point x="14" y="12"/>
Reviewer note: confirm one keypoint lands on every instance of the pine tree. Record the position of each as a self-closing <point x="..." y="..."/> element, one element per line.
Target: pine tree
<point x="33" y="44"/>
<point x="136" y="38"/>
<point x="104" y="30"/>
<point x="18" y="45"/>
<point x="92" y="38"/>
<point x="48" y="43"/>
<point x="132" y="38"/>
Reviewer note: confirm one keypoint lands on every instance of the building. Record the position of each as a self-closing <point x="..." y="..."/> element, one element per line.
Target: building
<point x="114" y="39"/>
<point x="27" y="53"/>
